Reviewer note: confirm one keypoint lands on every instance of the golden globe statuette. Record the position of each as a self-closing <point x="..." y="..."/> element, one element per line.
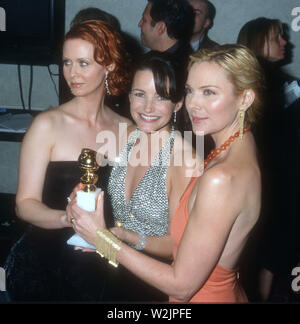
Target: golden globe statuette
<point x="87" y="196"/>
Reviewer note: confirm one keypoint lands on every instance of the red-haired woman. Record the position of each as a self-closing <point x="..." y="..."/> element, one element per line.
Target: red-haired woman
<point x="40" y="266"/>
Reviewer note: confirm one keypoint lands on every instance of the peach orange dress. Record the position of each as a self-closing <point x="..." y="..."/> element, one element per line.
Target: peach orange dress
<point x="222" y="286"/>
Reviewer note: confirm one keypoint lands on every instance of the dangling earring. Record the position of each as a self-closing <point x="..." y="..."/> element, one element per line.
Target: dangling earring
<point x="174" y="118"/>
<point x="241" y="122"/>
<point x="106" y="84"/>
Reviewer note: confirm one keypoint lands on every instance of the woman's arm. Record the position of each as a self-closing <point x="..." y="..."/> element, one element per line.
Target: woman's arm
<point x="34" y="158"/>
<point x="210" y="221"/>
<point x="178" y="178"/>
<point x="161" y="246"/>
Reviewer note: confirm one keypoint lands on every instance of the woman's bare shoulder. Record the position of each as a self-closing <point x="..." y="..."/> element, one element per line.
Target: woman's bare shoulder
<point x="232" y="179"/>
<point x="218" y="175"/>
<point x="46" y="123"/>
<point x="45" y="119"/>
<point x="218" y="195"/>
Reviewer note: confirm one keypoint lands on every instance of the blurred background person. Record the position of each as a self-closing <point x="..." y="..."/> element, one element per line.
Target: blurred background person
<point x="205" y="13"/>
<point x="277" y="135"/>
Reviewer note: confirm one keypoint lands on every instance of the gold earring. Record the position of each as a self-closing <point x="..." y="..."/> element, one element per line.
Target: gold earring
<point x="241" y="122"/>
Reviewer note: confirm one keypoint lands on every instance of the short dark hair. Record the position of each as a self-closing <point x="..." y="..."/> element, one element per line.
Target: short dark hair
<point x="178" y="15"/>
<point x="92" y="13"/>
<point x="167" y="80"/>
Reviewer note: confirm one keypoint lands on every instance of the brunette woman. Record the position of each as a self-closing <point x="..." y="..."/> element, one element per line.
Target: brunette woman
<point x="218" y="209"/>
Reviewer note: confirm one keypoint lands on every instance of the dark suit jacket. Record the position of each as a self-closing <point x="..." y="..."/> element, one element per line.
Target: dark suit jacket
<point x="181" y="52"/>
<point x="207" y="43"/>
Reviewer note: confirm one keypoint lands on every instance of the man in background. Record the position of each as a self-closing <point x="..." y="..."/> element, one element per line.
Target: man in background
<point x="204" y="16"/>
<point x="167" y="26"/>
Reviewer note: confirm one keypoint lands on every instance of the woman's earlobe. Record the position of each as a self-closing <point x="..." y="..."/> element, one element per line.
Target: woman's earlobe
<point x="248" y="99"/>
<point x="111" y="67"/>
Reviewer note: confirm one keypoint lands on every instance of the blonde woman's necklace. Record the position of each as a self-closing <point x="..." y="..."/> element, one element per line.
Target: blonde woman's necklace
<point x="215" y="152"/>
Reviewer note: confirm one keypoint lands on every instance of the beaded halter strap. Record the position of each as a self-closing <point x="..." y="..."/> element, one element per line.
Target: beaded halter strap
<point x="215" y="152"/>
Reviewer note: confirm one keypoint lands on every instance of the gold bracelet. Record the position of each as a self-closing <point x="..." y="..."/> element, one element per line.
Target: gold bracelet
<point x="108" y="245"/>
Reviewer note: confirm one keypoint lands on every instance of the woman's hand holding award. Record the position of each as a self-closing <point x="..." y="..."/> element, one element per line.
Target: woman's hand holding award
<point x="87" y="196"/>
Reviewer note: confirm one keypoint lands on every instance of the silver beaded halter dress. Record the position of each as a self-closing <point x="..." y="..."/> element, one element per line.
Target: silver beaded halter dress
<point x="147" y="211"/>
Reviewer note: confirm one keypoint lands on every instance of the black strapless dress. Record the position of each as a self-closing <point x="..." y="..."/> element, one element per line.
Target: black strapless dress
<point x="41" y="266"/>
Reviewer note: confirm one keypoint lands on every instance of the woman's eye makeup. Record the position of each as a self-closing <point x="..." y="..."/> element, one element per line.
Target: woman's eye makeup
<point x="138" y="94"/>
<point x="83" y="63"/>
<point x="208" y="92"/>
<point x="66" y="62"/>
<point x="187" y="90"/>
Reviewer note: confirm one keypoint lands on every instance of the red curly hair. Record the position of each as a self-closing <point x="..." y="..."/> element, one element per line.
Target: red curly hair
<point x="108" y="49"/>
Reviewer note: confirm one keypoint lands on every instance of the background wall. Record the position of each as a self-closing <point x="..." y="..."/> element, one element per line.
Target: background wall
<point x="231" y="15"/>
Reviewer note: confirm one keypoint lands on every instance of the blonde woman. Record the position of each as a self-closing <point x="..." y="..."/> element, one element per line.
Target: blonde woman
<point x="218" y="209"/>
